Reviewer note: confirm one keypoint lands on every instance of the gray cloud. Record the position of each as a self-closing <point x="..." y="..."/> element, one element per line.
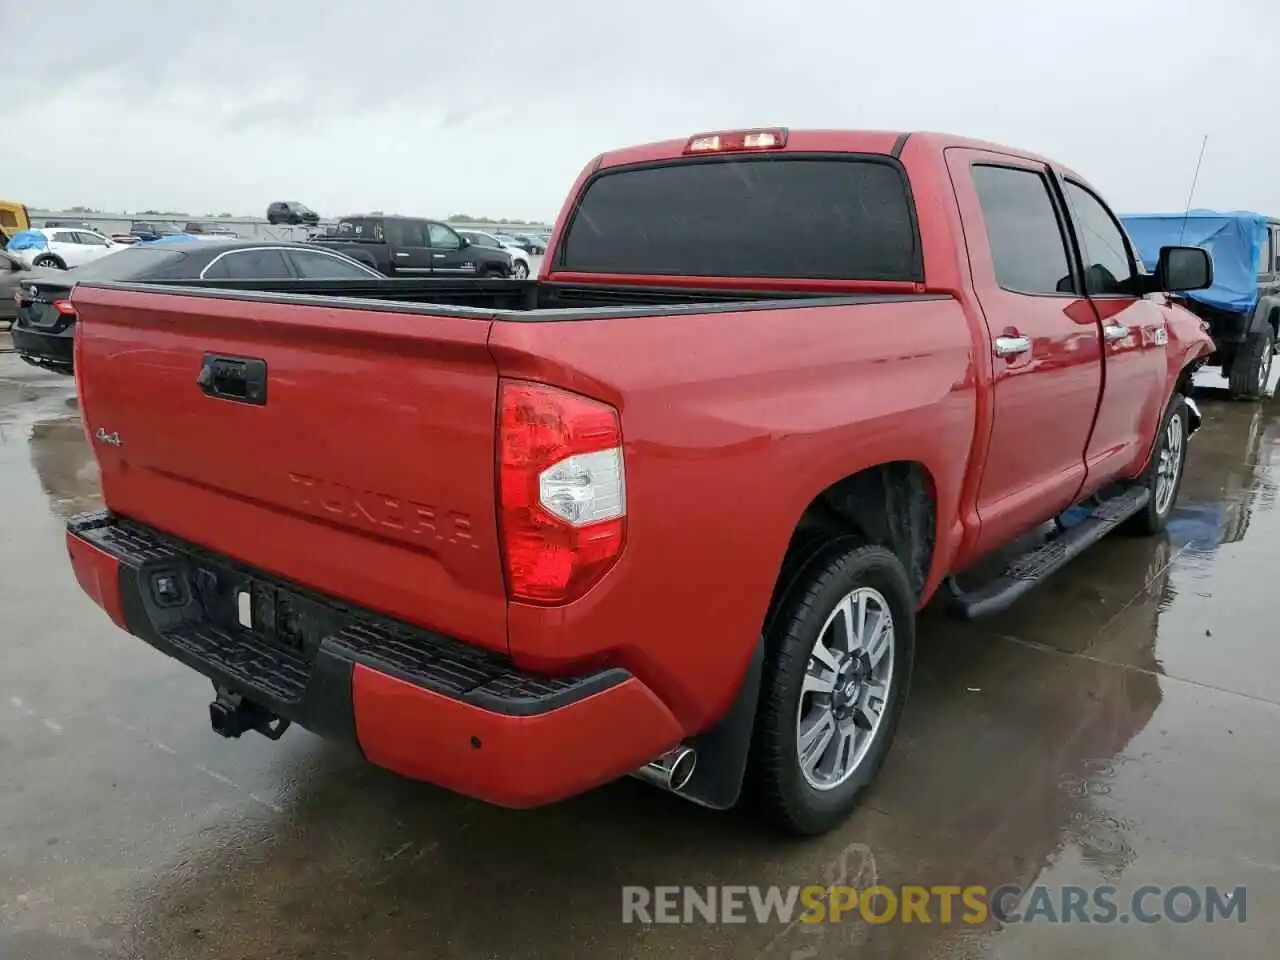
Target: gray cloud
<point x="493" y="107"/>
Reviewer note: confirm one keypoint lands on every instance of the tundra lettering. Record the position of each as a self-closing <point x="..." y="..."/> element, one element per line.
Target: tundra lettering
<point x="380" y="509"/>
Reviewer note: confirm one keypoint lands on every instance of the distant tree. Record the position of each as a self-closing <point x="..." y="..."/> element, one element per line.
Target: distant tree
<point x="83" y="210"/>
<point x="227" y="216"/>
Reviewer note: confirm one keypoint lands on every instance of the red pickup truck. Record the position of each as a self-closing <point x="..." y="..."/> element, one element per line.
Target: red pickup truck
<point x="669" y="509"/>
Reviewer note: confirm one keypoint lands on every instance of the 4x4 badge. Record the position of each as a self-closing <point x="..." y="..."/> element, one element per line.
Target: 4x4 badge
<point x="103" y="437"/>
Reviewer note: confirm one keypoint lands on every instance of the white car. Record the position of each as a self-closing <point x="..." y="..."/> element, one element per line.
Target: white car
<point x="520" y="267"/>
<point x="60" y="248"/>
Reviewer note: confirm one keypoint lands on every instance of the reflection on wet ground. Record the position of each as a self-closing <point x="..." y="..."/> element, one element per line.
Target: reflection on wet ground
<point x="1118" y="727"/>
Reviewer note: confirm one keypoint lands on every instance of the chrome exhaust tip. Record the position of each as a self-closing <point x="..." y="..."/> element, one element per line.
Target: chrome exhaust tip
<point x="672" y="771"/>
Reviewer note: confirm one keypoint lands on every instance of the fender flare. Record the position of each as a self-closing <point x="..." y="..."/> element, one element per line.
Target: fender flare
<point x="1262" y="313"/>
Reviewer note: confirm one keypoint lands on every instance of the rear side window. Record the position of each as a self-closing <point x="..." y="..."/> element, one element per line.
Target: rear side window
<point x="250" y="265"/>
<point x="360" y="228"/>
<point x="322" y="266"/>
<point x="407" y="233"/>
<point x="1022" y="230"/>
<point x="793" y="217"/>
<point x="131" y="263"/>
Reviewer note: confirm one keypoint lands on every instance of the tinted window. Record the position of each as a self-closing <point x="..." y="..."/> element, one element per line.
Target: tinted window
<point x="1275" y="248"/>
<point x="360" y="228"/>
<point x="320" y="266"/>
<point x="1022" y="230"/>
<point x="748" y="217"/>
<point x="131" y="263"/>
<point x="92" y="239"/>
<point x="254" y="265"/>
<point x="1107" y="267"/>
<point x="442" y="237"/>
<point x="407" y="233"/>
<point x="1265" y="255"/>
<point x="64" y="237"/>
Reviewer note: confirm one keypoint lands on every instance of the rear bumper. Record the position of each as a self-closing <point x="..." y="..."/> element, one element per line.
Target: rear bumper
<point x="51" y="350"/>
<point x="422" y="705"/>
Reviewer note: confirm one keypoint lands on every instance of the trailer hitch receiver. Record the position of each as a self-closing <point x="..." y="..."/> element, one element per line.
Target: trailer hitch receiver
<point x="231" y="714"/>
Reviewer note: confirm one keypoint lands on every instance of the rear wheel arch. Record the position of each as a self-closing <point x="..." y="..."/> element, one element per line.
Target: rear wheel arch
<point x="893" y="505"/>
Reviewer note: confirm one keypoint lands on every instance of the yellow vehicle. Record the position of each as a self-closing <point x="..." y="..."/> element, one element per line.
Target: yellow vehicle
<point x="13" y="218"/>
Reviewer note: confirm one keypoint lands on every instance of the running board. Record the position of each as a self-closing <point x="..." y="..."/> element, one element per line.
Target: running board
<point x="1026" y="571"/>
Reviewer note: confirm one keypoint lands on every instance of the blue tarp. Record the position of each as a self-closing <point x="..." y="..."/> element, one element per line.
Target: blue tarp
<point x="1234" y="241"/>
<point x="27" y="240"/>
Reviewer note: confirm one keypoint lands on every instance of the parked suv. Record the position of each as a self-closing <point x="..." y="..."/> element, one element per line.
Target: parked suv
<point x="1242" y="308"/>
<point x="291" y="212"/>
<point x="414" y="247"/>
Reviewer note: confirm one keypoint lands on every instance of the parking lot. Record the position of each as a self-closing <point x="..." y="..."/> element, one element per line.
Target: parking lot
<point x="1118" y="727"/>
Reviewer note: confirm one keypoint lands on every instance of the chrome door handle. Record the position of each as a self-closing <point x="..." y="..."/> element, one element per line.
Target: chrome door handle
<point x="401" y="254"/>
<point x="1115" y="331"/>
<point x="437" y="256"/>
<point x="1009" y="346"/>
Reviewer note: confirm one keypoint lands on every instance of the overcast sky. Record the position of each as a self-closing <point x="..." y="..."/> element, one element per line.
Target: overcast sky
<point x="490" y="108"/>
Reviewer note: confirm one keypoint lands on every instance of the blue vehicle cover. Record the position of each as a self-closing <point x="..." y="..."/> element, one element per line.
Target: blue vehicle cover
<point x="1234" y="241"/>
<point x="27" y="240"/>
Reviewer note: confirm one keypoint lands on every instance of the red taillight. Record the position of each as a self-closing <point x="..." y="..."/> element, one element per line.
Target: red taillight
<point x="772" y="139"/>
<point x="64" y="307"/>
<point x="561" y="491"/>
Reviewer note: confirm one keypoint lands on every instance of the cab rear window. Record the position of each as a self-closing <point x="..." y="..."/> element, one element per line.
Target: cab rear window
<point x="795" y="217"/>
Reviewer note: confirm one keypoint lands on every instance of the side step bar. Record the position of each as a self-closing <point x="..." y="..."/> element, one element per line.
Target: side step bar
<point x="1025" y="572"/>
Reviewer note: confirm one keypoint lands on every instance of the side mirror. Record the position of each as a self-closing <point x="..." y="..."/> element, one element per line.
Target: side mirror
<point x="1183" y="268"/>
<point x="463" y="242"/>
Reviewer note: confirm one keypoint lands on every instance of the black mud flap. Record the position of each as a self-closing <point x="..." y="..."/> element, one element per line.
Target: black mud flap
<point x="722" y="751"/>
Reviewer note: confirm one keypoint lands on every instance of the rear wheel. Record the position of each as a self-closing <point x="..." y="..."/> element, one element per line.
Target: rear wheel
<point x="1251" y="368"/>
<point x="834" y="687"/>
<point x="49" y="260"/>
<point x="520" y="270"/>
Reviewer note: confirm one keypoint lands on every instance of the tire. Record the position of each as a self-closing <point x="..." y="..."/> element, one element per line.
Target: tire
<point x="493" y="273"/>
<point x="1169" y="454"/>
<point x="520" y="270"/>
<point x="49" y="260"/>
<point x="814" y="800"/>
<point x="1251" y="369"/>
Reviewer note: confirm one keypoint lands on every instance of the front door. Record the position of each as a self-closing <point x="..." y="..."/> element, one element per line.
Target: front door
<point x="407" y="241"/>
<point x="448" y="258"/>
<point x="1134" y="335"/>
<point x="1046" y="359"/>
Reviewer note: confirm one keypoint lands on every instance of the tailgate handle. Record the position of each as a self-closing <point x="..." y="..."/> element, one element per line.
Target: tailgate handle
<point x="241" y="379"/>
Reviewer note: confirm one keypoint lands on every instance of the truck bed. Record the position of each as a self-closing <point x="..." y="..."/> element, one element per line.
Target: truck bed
<point x="515" y="300"/>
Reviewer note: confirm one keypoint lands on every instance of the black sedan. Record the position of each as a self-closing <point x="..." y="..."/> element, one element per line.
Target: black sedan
<point x="45" y="324"/>
<point x="12" y="271"/>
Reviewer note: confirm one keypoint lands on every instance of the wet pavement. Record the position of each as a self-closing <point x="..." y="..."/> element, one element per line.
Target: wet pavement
<point x="1118" y="727"/>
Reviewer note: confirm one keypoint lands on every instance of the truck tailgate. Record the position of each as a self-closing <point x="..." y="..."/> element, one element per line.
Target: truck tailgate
<point x="350" y="451"/>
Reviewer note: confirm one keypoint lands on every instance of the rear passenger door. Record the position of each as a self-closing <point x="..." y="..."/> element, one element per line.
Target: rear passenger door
<point x="407" y="240"/>
<point x="1134" y="340"/>
<point x="1046" y="353"/>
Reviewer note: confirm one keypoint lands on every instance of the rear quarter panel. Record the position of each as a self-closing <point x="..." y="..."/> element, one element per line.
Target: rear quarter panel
<point x="732" y="423"/>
